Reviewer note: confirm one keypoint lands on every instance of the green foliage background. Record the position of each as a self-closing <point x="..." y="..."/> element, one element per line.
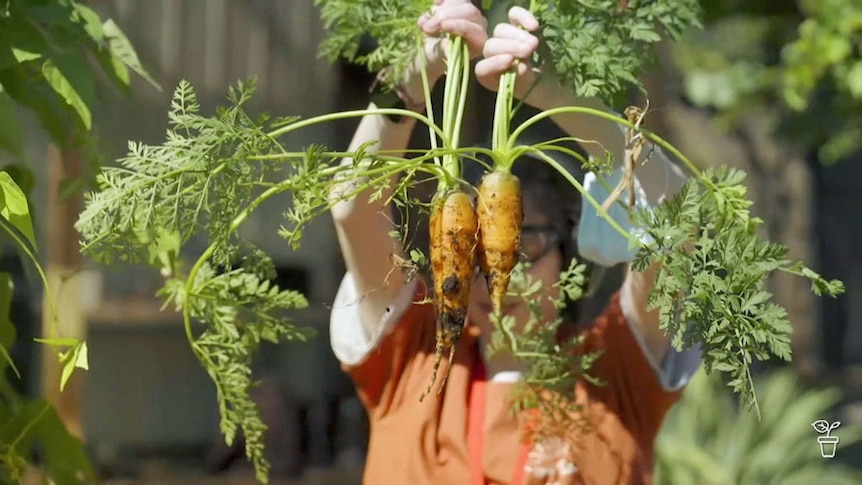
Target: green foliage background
<point x="707" y="439"/>
<point x="54" y="57"/>
<point x="802" y="58"/>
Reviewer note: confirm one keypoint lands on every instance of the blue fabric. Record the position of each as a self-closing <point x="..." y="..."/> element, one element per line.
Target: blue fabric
<point x="597" y="240"/>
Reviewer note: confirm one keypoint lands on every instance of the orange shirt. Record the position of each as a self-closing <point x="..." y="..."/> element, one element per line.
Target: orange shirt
<point x="419" y="443"/>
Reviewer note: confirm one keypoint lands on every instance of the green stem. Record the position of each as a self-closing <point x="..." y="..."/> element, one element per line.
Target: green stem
<point x="238" y="220"/>
<point x="502" y="119"/>
<point x="385" y="155"/>
<point x="462" y="94"/>
<point x="52" y="312"/>
<point x="572" y="180"/>
<point x="358" y="114"/>
<point x="449" y="87"/>
<point x="426" y="91"/>
<point x="28" y="427"/>
<point x="454" y="101"/>
<point x="500" y="142"/>
<point x="608" y="116"/>
<point x="389" y="154"/>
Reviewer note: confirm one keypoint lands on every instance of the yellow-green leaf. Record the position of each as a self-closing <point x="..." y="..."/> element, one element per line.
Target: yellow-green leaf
<point x="58" y="82"/>
<point x="122" y="50"/>
<point x="22" y="176"/>
<point x="58" y="342"/>
<point x="82" y="359"/>
<point x="854" y="79"/>
<point x="76" y="358"/>
<point x="91" y="20"/>
<point x="22" y="55"/>
<point x="14" y="207"/>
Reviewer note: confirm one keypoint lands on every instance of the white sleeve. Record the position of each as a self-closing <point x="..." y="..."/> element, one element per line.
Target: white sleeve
<point x="677" y="368"/>
<point x="351" y="341"/>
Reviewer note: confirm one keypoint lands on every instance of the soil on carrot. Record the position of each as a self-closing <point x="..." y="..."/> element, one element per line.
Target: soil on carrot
<point x="454" y="231"/>
<point x="500" y="214"/>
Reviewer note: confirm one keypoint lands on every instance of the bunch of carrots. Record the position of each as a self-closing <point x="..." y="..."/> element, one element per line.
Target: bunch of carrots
<point x="464" y="232"/>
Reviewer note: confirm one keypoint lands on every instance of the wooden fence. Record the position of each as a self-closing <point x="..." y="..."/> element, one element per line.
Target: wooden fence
<point x="214" y="43"/>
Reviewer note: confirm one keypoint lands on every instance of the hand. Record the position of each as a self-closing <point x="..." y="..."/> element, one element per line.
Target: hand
<point x="457" y="17"/>
<point x="511" y="41"/>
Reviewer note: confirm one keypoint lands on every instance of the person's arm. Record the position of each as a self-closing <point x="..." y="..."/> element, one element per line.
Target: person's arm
<point x="363" y="227"/>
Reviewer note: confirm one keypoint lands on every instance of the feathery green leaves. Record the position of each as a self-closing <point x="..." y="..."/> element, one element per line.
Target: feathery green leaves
<point x="210" y="173"/>
<point x="391" y="24"/>
<point x="599" y="48"/>
<point x="711" y="284"/>
<point x="596" y="47"/>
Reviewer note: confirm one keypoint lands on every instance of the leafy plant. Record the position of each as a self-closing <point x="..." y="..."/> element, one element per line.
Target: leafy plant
<point x="707" y="439"/>
<point x="597" y="47"/>
<point x="213" y="171"/>
<point x="803" y="58"/>
<point x="51" y="53"/>
<point x="711" y="286"/>
<point x="28" y="423"/>
<point x="553" y="365"/>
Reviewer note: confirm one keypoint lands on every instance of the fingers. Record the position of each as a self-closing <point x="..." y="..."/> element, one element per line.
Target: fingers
<point x="521" y="17"/>
<point x="440" y="18"/>
<point x="511" y="40"/>
<point x="457" y="17"/>
<point x="474" y="34"/>
<point x="491" y="67"/>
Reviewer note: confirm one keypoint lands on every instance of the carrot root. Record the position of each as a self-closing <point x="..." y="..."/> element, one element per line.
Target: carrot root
<point x="500" y="214"/>
<point x="454" y="230"/>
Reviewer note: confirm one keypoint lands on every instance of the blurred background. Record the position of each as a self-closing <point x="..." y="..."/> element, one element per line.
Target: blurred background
<point x="147" y="410"/>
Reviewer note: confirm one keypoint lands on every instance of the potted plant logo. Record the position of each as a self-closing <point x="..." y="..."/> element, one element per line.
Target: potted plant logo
<point x="828" y="443"/>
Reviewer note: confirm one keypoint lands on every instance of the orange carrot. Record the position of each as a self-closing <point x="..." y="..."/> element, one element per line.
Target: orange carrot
<point x="453" y="231"/>
<point x="501" y="217"/>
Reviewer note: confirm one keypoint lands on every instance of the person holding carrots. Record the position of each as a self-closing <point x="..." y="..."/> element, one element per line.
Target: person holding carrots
<point x="385" y="339"/>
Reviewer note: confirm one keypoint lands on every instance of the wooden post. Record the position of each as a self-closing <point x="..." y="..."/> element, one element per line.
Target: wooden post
<point x="61" y="263"/>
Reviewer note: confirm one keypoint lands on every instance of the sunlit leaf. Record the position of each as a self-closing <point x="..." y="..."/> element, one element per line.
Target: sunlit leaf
<point x="25" y="56"/>
<point x="64" y="88"/>
<point x="58" y="342"/>
<point x="122" y="50"/>
<point x="91" y="20"/>
<point x="43" y="103"/>
<point x="22" y="176"/>
<point x="14" y="207"/>
<point x="76" y="358"/>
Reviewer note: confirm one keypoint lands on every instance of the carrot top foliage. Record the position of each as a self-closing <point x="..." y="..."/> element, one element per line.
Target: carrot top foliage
<point x="597" y="47"/>
<point x="211" y="172"/>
